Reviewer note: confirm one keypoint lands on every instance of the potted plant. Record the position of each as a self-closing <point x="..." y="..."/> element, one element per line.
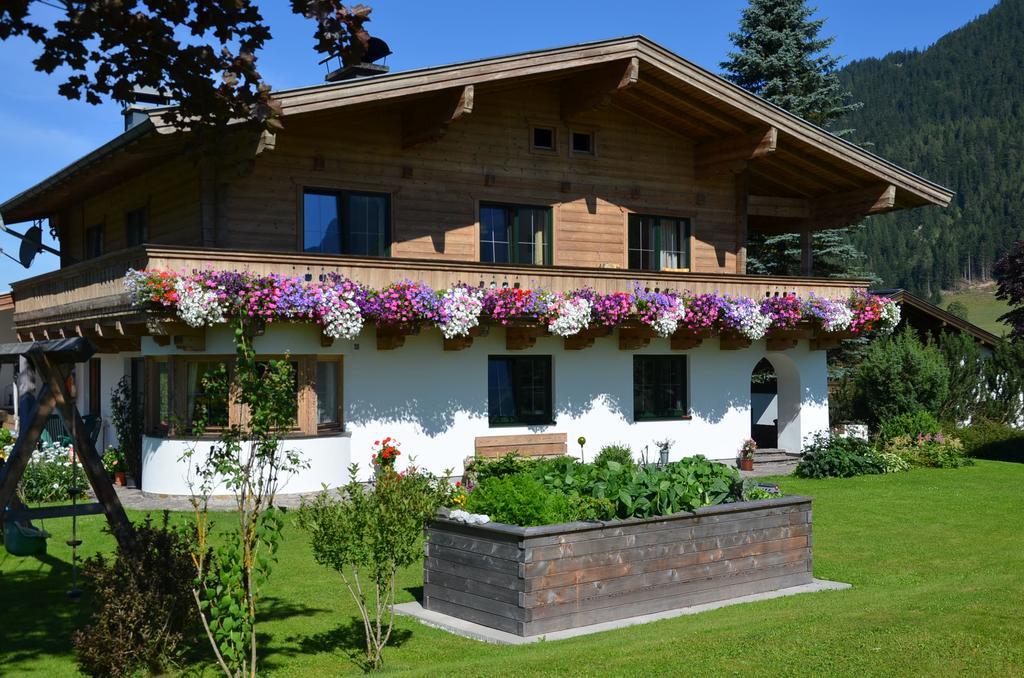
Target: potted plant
<point x="385" y="455"/>
<point x="746" y="455"/>
<point x="114" y="465"/>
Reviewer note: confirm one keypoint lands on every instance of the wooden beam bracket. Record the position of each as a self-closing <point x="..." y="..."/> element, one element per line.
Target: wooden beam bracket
<point x="733" y="342"/>
<point x="731" y="155"/>
<point x="427" y="120"/>
<point x="632" y="338"/>
<point x="594" y="89"/>
<point x="520" y="337"/>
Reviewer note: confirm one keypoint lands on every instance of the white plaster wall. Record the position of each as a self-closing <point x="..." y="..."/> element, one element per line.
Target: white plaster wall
<point x="435" y="402"/>
<point x="164" y="472"/>
<point x="113" y="366"/>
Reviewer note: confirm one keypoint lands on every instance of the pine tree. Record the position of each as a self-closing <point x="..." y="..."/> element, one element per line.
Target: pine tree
<point x="781" y="58"/>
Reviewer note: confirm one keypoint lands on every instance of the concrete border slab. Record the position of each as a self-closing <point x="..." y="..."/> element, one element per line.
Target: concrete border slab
<point x="478" y="632"/>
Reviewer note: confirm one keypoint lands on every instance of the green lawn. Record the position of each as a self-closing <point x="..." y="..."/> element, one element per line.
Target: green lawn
<point x="936" y="558"/>
<point x="983" y="308"/>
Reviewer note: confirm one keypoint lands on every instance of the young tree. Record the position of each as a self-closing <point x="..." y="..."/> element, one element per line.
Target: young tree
<point x="247" y="460"/>
<point x="780" y="57"/>
<point x="1009" y="273"/>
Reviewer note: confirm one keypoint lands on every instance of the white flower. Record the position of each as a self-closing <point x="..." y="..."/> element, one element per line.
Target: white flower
<point x="571" y="316"/>
<point x="667" y="322"/>
<point x="890" y="316"/>
<point x="460" y="311"/>
<point x="839" y="317"/>
<point x="198" y="306"/>
<point x="340" y="314"/>
<point x="745" y="316"/>
<point x="467" y="517"/>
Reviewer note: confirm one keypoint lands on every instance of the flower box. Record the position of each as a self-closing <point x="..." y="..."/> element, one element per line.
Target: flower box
<point x="536" y="580"/>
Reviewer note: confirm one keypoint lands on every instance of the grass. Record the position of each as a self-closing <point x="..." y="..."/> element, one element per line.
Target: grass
<point x="983" y="308"/>
<point x="935" y="556"/>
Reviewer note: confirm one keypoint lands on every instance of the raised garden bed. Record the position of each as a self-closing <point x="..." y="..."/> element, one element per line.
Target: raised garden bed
<point x="536" y="580"/>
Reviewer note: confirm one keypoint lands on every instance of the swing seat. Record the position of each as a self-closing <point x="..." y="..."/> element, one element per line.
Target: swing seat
<point x="20" y="540"/>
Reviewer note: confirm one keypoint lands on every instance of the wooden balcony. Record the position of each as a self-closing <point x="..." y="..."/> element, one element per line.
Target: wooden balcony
<point x="88" y="298"/>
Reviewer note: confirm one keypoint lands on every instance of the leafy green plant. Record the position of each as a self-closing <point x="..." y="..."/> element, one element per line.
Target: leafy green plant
<point x="829" y="456"/>
<point x="248" y="460"/>
<point x="520" y="499"/>
<point x="899" y="375"/>
<point x="479" y="470"/>
<point x="142" y="603"/>
<point x="910" y="424"/>
<point x="113" y="462"/>
<point x="622" y="454"/>
<point x="934" y="450"/>
<point x="126" y="416"/>
<point x="367" y="535"/>
<point x="892" y="462"/>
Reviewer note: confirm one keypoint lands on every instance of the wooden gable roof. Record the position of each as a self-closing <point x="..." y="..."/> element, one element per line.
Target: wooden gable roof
<point x="796" y="169"/>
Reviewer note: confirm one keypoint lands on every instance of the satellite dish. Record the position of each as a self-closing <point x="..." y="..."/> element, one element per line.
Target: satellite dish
<point x="31" y="245"/>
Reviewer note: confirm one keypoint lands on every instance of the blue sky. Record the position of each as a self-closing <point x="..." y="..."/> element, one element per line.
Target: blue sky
<point x="40" y="132"/>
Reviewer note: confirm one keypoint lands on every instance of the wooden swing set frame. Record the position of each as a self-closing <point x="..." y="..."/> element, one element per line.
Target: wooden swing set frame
<point x="51" y="362"/>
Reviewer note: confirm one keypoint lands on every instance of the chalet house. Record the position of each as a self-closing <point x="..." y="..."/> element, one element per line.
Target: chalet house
<point x="610" y="165"/>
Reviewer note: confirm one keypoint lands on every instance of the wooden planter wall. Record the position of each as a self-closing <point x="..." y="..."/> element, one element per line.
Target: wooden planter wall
<point x="536" y="580"/>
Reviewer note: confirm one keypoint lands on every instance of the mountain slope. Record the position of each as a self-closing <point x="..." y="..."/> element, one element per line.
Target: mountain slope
<point x="953" y="113"/>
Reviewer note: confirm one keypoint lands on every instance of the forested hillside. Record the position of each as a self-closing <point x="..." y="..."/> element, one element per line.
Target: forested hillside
<point x="953" y="113"/>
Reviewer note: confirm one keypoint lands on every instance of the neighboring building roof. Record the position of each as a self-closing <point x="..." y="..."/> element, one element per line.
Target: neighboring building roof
<point x="925" y="316"/>
<point x="672" y="91"/>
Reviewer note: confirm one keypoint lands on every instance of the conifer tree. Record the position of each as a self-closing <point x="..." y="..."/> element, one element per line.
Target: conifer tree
<point x="781" y="57"/>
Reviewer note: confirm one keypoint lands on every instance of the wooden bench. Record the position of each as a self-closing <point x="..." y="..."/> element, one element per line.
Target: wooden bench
<point x="529" y="445"/>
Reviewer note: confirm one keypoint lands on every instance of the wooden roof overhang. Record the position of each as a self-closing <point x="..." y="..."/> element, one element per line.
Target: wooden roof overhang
<point x="926" y="317"/>
<point x="798" y="175"/>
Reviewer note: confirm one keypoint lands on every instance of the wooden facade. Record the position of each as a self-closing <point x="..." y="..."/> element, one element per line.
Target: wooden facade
<point x="531" y="581"/>
<point x="666" y="139"/>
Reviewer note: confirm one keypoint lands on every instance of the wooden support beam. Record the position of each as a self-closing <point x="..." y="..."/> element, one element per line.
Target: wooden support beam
<point x="732" y="155"/>
<point x="742" y="192"/>
<point x="594" y="89"/>
<point x="190" y="342"/>
<point x="92" y="464"/>
<point x="806" y="252"/>
<point x="666" y="116"/>
<point x="457" y="343"/>
<point x="684" y="342"/>
<point x="390" y="337"/>
<point x="586" y="338"/>
<point x="841" y="209"/>
<point x="733" y="342"/>
<point x="781" y="343"/>
<point x="694" y="108"/>
<point x="427" y="120"/>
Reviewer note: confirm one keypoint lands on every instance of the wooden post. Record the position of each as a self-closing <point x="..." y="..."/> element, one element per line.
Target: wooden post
<point x="31" y="427"/>
<point x="120" y="526"/>
<point x="806" y="252"/>
<point x="742" y="183"/>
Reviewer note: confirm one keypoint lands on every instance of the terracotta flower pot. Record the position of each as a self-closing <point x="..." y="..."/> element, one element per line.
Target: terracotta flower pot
<point x="119" y="478"/>
<point x="746" y="464"/>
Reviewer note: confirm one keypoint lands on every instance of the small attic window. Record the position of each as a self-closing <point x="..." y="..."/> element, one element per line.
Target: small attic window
<point x="543" y="138"/>
<point x="583" y="143"/>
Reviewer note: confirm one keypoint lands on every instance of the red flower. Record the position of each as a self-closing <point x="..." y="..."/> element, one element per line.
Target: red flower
<point x="458" y="483"/>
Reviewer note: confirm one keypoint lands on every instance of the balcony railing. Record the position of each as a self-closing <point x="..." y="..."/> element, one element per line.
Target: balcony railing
<point x="92" y="292"/>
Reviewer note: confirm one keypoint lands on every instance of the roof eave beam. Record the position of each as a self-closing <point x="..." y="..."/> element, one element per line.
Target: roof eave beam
<point x="594" y="89"/>
<point x="427" y="121"/>
<point x="732" y="155"/>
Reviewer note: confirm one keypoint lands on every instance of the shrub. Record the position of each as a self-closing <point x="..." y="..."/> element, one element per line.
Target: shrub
<point x="367" y="535"/>
<point x="830" y="456"/>
<point x="899" y="375"/>
<point x="986" y="439"/>
<point x="519" y="499"/>
<point x="619" y="453"/>
<point x="934" y="450"/>
<point x="892" y="462"/>
<point x="142" y="604"/>
<point x="910" y="424"/>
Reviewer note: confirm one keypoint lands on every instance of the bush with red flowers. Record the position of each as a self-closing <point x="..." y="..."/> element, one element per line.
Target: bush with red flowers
<point x="385" y="453"/>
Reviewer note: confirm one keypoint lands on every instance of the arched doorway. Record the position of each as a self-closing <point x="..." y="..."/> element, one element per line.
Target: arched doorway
<point x="775" y="404"/>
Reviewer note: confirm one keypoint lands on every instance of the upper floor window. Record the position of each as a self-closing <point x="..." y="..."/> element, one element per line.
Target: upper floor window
<point x="583" y="143"/>
<point x="658" y="243"/>
<point x="136" y="226"/>
<point x="94" y="241"/>
<point x="515" y="234"/>
<point x="543" y="138"/>
<point x="346" y="222"/>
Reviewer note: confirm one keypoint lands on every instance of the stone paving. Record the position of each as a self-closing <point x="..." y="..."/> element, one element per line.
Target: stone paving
<point x="133" y="498"/>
